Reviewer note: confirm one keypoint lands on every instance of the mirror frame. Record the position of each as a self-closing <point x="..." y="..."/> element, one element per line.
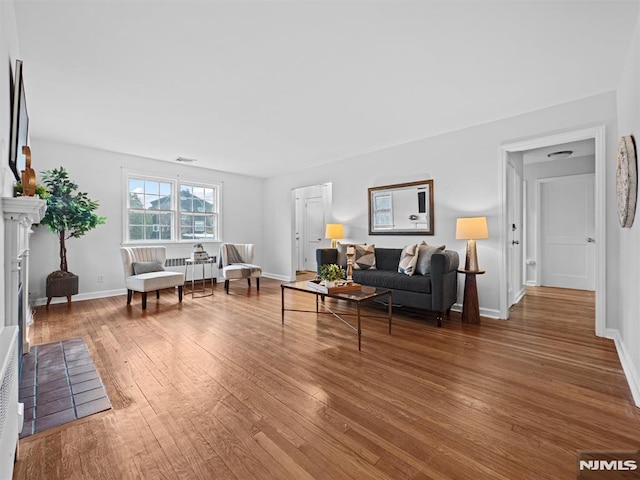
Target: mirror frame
<point x="429" y="230"/>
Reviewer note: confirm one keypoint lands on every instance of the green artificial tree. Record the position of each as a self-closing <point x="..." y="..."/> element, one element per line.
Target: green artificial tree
<point x="69" y="214"/>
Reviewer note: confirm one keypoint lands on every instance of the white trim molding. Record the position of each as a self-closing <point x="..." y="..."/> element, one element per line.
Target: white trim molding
<point x="630" y="372"/>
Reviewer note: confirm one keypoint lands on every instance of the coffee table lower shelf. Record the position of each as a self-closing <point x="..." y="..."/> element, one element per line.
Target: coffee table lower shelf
<point x="366" y="294"/>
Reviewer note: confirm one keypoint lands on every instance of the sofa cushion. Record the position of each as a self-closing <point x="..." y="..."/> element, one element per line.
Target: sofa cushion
<point x="388" y="258"/>
<point x="365" y="258"/>
<point x="393" y="280"/>
<point x="408" y="259"/>
<point x="423" y="267"/>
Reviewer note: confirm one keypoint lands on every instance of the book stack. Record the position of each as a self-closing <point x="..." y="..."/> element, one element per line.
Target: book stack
<point x="319" y="286"/>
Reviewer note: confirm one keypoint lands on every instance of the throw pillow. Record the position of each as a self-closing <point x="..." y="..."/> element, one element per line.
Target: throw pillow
<point x="365" y="258"/>
<point x="342" y="253"/>
<point x="146" y="267"/>
<point x="408" y="259"/>
<point x="423" y="267"/>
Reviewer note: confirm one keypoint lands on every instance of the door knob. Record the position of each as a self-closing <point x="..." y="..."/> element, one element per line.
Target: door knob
<point x="515" y="242"/>
<point x="591" y="240"/>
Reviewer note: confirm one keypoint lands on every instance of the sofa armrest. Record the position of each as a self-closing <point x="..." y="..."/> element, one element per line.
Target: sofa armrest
<point x="325" y="256"/>
<point x="444" y="280"/>
<point x="444" y="262"/>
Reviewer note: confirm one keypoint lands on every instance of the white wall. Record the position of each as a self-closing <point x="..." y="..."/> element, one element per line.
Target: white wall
<point x="465" y="166"/>
<point x="536" y="171"/>
<point x="8" y="55"/>
<point x="627" y="267"/>
<point x="100" y="174"/>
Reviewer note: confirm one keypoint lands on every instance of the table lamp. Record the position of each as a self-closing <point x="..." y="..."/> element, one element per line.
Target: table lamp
<point x="334" y="231"/>
<point x="471" y="229"/>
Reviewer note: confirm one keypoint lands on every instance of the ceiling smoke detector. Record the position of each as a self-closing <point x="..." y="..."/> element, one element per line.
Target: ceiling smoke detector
<point x="186" y="160"/>
<point x="560" y="155"/>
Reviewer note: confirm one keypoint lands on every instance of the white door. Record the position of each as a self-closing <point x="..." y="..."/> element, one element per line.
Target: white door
<point x="566" y="232"/>
<point x="515" y="283"/>
<point x="314" y="230"/>
<point x="299" y="212"/>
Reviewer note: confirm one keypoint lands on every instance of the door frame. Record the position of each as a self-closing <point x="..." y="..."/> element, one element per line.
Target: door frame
<point x="598" y="135"/>
<point x="327" y="193"/>
<point x="516" y="293"/>
<point x="538" y="220"/>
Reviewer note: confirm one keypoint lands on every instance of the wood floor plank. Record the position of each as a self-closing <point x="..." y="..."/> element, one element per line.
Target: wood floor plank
<point x="217" y="387"/>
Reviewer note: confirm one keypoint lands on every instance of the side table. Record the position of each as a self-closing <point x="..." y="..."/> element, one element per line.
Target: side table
<point x="188" y="262"/>
<point x="470" y="306"/>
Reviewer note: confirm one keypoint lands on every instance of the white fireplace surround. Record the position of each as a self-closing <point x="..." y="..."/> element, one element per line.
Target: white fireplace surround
<point x="20" y="214"/>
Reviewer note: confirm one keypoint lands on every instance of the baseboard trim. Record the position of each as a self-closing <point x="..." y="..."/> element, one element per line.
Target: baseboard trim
<point x="120" y="291"/>
<point x="484" y="312"/>
<point x="531" y="283"/>
<point x="490" y="313"/>
<point x="275" y="276"/>
<point x="629" y="369"/>
<point x="84" y="296"/>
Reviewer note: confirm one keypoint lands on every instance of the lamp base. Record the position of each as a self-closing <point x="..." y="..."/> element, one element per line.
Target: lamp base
<point x="334" y="243"/>
<point x="471" y="261"/>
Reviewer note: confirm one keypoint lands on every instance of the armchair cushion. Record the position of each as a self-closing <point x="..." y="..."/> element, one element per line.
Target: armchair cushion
<point x="241" y="270"/>
<point x="148" y="282"/>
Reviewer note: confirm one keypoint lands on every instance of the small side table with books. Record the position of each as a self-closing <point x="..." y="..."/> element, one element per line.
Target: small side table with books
<point x="203" y="288"/>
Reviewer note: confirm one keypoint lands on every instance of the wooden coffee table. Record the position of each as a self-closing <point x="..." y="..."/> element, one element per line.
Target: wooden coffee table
<point x="356" y="297"/>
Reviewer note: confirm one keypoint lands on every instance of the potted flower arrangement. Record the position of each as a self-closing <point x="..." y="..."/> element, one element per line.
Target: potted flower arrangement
<point x="331" y="273"/>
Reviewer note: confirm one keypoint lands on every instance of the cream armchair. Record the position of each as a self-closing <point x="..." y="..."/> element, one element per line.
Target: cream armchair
<point x="144" y="272"/>
<point x="235" y="261"/>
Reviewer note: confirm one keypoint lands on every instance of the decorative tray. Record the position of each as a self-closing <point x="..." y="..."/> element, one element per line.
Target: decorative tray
<point x="340" y="287"/>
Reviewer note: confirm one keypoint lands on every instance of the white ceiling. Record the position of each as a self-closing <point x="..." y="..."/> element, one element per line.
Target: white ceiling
<point x="262" y="87"/>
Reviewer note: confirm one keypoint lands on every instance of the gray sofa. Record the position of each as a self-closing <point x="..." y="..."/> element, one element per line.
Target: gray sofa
<point x="436" y="292"/>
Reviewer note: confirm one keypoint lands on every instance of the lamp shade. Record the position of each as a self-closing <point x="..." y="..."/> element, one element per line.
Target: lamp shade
<point x="334" y="231"/>
<point x="472" y="228"/>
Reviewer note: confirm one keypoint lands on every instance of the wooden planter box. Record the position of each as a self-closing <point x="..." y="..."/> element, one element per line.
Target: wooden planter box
<point x="61" y="286"/>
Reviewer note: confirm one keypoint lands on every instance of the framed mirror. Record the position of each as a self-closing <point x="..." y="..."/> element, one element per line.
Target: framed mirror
<point x="401" y="209"/>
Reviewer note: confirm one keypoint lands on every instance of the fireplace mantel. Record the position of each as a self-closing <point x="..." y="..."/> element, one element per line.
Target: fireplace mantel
<point x="19" y="214"/>
<point x="30" y="207"/>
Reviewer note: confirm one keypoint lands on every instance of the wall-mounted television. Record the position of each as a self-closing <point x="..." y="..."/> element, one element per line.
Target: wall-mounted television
<point x="19" y="124"/>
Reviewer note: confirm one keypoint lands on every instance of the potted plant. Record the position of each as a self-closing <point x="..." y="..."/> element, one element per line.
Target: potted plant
<point x="70" y="214"/>
<point x="331" y="273"/>
<point x="41" y="191"/>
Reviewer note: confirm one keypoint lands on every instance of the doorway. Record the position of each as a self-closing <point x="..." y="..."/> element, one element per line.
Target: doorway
<point x="312" y="207"/>
<point x="516" y="150"/>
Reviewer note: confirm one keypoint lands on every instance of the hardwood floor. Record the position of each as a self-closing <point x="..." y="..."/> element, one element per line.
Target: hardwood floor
<point x="217" y="388"/>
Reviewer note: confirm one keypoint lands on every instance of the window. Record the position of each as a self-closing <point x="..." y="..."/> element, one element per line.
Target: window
<point x="383" y="210"/>
<point x="198" y="217"/>
<point x="167" y="210"/>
